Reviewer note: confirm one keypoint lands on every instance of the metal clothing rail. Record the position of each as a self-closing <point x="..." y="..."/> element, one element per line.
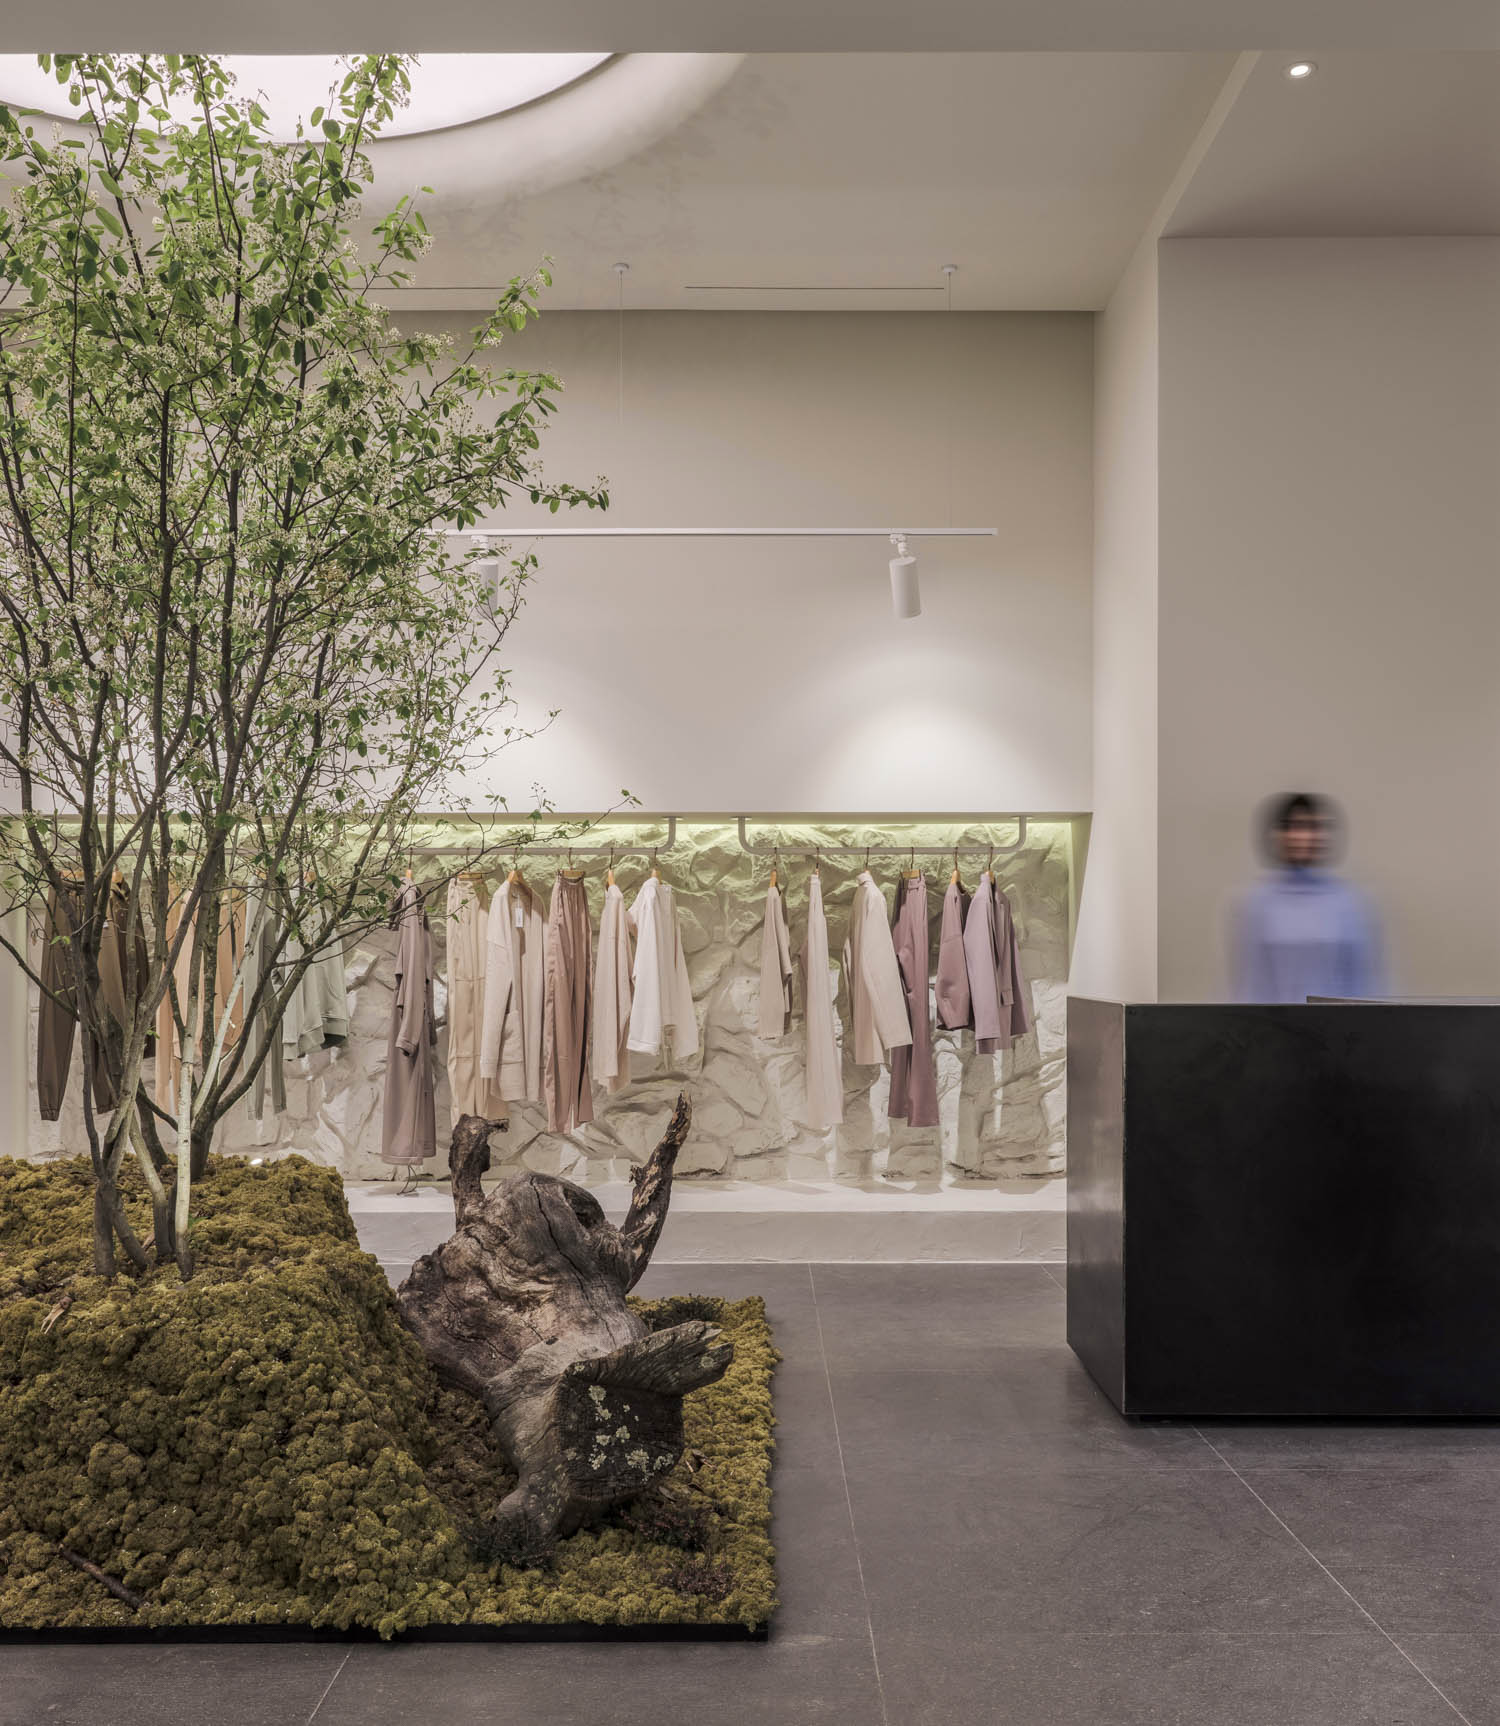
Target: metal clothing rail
<point x="751" y="848"/>
<point x="508" y="532"/>
<point x="773" y="849"/>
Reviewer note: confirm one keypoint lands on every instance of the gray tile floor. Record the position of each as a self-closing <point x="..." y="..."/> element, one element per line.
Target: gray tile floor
<point x="967" y="1533"/>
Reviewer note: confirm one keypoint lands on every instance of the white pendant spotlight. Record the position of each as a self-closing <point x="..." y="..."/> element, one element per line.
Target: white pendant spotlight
<point x="906" y="595"/>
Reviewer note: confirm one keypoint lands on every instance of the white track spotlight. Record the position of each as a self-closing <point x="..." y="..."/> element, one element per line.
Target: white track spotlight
<point x="906" y="595"/>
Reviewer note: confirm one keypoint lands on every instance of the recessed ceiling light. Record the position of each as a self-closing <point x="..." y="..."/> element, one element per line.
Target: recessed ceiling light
<point x="1300" y="69"/>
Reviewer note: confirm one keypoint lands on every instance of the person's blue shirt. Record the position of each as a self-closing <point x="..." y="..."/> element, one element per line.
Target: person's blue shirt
<point x="1304" y="932"/>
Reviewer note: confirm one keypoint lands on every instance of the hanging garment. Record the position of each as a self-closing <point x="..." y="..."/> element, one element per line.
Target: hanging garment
<point x="472" y="1092"/>
<point x="955" y="1009"/>
<point x="510" y="1045"/>
<point x="998" y="991"/>
<point x="663" y="1005"/>
<point x="409" y="1131"/>
<point x="612" y="994"/>
<point x="231" y="949"/>
<point x="825" y="1085"/>
<point x="262" y="937"/>
<point x="317" y="1016"/>
<point x="913" y="1070"/>
<point x="877" y="1000"/>
<point x="58" y="1010"/>
<point x="775" y="968"/>
<point x="567" y="1002"/>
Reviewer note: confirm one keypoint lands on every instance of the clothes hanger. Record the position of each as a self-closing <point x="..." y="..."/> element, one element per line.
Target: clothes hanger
<point x="911" y="872"/>
<point x="513" y="879"/>
<point x="655" y="872"/>
<point x="817" y="863"/>
<point x="609" y="874"/>
<point x="570" y="873"/>
<point x="953" y="880"/>
<point x="775" y="866"/>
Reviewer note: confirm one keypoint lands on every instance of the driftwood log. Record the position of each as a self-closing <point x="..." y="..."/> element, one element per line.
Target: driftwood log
<point x="523" y="1306"/>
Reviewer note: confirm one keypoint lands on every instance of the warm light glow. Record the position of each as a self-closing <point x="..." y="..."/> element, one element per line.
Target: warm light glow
<point x="446" y="89"/>
<point x="1301" y="69"/>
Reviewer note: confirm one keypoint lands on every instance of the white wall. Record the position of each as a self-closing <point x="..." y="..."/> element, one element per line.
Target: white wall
<point x="1115" y="953"/>
<point x="1330" y="597"/>
<point x="771" y="676"/>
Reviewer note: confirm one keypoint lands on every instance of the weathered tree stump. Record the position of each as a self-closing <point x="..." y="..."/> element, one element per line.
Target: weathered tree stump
<point x="523" y="1306"/>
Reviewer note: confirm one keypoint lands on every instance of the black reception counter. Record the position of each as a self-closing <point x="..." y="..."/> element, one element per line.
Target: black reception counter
<point x="1286" y="1210"/>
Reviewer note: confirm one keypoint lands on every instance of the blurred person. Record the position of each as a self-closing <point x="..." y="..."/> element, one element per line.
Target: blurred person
<point x="1302" y="931"/>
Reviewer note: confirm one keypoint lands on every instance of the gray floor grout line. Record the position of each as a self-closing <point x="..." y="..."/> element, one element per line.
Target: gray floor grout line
<point x="838" y="1445"/>
<point x="329" y="1686"/>
<point x="1353" y="1601"/>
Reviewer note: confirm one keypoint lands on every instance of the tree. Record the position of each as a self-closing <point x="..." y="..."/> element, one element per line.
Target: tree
<point x="236" y="654"/>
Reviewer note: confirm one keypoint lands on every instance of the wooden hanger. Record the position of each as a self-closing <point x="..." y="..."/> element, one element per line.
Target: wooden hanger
<point x="609" y="874"/>
<point x="570" y="873"/>
<point x="775" y="866"/>
<point x="911" y="872"/>
<point x="655" y="872"/>
<point x="953" y="880"/>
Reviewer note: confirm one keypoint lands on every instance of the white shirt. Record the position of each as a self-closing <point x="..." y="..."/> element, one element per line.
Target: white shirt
<point x="663" y="1003"/>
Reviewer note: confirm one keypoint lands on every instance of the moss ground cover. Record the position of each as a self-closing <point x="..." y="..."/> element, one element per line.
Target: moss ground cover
<point x="266" y="1445"/>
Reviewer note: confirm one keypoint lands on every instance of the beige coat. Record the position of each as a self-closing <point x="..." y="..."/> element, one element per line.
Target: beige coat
<point x="567" y="1008"/>
<point x="825" y="1084"/>
<point x="612" y="994"/>
<point x="231" y="951"/>
<point x="468" y="918"/>
<point x="775" y="1007"/>
<point x="510" y="1044"/>
<point x="877" y="1000"/>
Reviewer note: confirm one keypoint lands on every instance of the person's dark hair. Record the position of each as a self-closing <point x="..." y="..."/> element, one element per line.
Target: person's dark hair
<point x="1280" y="812"/>
<point x="1297" y="806"/>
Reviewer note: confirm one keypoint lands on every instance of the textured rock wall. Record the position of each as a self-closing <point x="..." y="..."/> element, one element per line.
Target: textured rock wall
<point x="1002" y="1116"/>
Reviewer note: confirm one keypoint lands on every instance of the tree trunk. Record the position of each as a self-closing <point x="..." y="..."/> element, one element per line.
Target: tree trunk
<point x="524" y="1307"/>
<point x="202" y="1143"/>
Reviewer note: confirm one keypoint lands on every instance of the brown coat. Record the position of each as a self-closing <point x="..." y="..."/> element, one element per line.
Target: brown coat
<point x="913" y="1072"/>
<point x="1002" y="1009"/>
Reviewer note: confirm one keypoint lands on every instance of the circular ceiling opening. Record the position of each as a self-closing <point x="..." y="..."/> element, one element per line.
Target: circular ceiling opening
<point x="446" y="89"/>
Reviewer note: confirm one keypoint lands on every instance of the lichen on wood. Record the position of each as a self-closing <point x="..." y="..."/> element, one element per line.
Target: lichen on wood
<point x="524" y="1307"/>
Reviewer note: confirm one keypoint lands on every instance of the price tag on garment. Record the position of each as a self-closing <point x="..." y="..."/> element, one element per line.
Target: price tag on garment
<point x="520" y="915"/>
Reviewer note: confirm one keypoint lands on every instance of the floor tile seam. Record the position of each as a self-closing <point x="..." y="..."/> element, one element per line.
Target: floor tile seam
<point x="859" y="1566"/>
<point x="1396" y="1466"/>
<point x="337" y="1671"/>
<point x="1358" y="1604"/>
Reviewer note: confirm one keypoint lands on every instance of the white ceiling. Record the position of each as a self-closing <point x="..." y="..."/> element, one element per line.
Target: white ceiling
<point x="759" y="26"/>
<point x="849" y="178"/>
<point x="1371" y="144"/>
